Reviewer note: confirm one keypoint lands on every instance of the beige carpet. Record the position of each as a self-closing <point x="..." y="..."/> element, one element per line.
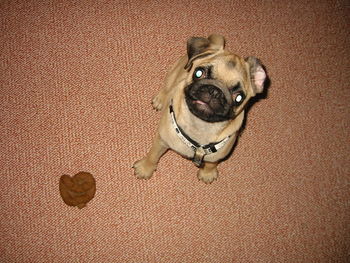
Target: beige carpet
<point x="77" y="78"/>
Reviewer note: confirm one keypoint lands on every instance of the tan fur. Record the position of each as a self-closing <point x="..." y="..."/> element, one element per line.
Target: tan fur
<point x="201" y="131"/>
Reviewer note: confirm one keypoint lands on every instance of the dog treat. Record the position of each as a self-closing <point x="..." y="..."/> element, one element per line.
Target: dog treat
<point x="77" y="190"/>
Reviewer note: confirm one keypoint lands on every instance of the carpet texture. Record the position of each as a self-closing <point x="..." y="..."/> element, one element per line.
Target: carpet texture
<point x="77" y="78"/>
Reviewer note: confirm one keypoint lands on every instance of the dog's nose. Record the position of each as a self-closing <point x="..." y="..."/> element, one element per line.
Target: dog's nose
<point x="215" y="92"/>
<point x="214" y="89"/>
<point x="218" y="92"/>
<point x="209" y="92"/>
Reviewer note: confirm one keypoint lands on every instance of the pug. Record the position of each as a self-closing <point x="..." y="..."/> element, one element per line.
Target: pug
<point x="202" y="106"/>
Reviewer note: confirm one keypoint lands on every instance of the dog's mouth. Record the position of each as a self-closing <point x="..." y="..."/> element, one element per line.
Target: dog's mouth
<point x="208" y="103"/>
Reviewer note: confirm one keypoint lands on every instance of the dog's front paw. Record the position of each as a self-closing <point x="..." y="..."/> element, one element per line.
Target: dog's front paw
<point x="207" y="176"/>
<point x="158" y="101"/>
<point x="143" y="169"/>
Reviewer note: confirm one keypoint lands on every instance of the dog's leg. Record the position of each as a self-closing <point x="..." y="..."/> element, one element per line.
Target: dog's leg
<point x="145" y="167"/>
<point x="161" y="99"/>
<point x="208" y="173"/>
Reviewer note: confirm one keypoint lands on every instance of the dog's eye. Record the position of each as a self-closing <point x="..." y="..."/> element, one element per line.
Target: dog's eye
<point x="199" y="73"/>
<point x="238" y="98"/>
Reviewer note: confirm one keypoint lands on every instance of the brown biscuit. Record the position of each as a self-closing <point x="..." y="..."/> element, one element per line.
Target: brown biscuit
<point x="77" y="190"/>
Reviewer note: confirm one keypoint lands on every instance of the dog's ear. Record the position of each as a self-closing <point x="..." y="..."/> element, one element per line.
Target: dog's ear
<point x="199" y="47"/>
<point x="257" y="74"/>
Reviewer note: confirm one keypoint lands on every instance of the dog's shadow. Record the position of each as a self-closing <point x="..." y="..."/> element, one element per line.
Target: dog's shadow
<point x="251" y="102"/>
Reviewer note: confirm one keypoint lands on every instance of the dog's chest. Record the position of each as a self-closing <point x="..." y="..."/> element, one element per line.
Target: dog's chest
<point x="170" y="135"/>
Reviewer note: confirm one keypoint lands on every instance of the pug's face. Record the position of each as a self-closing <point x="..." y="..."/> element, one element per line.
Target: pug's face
<point x="218" y="87"/>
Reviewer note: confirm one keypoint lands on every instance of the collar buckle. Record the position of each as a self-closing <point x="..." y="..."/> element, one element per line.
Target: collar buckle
<point x="199" y="156"/>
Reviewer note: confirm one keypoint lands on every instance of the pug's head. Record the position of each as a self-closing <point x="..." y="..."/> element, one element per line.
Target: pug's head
<point x="219" y="83"/>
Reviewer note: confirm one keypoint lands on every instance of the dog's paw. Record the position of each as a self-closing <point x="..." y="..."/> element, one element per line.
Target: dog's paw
<point x="143" y="169"/>
<point x="157" y="102"/>
<point x="207" y="176"/>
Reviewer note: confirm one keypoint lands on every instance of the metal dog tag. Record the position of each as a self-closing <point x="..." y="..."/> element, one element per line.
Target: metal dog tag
<point x="199" y="156"/>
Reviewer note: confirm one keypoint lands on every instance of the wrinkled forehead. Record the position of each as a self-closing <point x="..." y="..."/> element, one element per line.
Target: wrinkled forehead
<point x="228" y="67"/>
